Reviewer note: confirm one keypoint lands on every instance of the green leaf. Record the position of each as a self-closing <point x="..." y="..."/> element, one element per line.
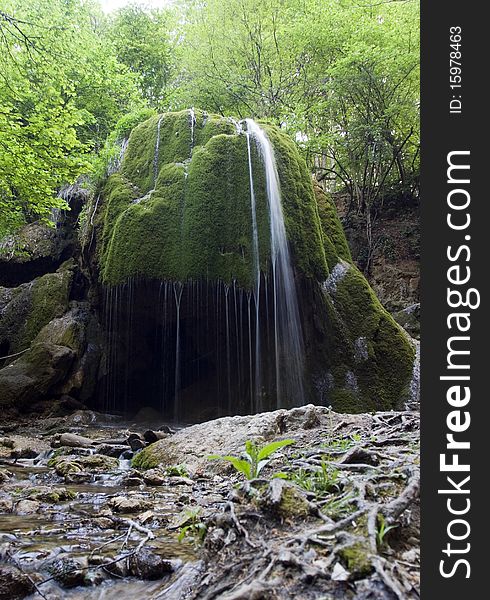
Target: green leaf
<point x="242" y="466"/>
<point x="273" y="447"/>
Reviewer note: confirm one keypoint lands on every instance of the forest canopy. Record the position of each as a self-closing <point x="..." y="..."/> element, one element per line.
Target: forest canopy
<point x="340" y="76"/>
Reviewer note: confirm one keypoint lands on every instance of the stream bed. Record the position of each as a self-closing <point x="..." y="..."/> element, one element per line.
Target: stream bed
<point x="76" y="521"/>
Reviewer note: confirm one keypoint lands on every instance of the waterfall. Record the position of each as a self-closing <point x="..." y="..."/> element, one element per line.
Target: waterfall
<point x="288" y="337"/>
<point x="192" y="115"/>
<point x="256" y="267"/>
<point x="157" y="152"/>
<point x="187" y="346"/>
<point x="178" y="288"/>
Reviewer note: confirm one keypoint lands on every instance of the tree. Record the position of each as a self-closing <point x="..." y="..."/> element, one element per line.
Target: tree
<point x="61" y="92"/>
<point x="143" y="41"/>
<point x="341" y="75"/>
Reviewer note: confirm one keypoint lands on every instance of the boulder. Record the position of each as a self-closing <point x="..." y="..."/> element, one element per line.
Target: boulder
<point x="14" y="585"/>
<point x="192" y="446"/>
<point x="26" y="309"/>
<point x="63" y="360"/>
<point x="34" y="374"/>
<point x="409" y="319"/>
<point x="187" y="174"/>
<point x="34" y="250"/>
<point x="111" y="450"/>
<point x="73" y="440"/>
<point x="149" y="565"/>
<point x="129" y="504"/>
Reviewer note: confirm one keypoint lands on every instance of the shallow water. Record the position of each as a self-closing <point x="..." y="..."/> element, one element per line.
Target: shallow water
<point x="76" y="529"/>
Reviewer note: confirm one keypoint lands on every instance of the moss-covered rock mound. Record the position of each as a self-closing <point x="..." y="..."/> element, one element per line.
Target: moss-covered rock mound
<point x="179" y="209"/>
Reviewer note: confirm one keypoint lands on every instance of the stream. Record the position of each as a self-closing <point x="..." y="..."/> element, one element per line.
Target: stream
<point x="79" y="524"/>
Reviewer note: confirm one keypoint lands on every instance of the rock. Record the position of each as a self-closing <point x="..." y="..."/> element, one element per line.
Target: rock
<point x="192" y="445"/>
<point x="52" y="495"/>
<point x="4" y="475"/>
<point x="148" y="565"/>
<point x="34" y="250"/>
<point x="65" y="466"/>
<point x="14" y="585"/>
<point x="27" y="507"/>
<point x="78" y="329"/>
<point x="24" y="453"/>
<point x="151" y="436"/>
<point x="133" y="481"/>
<point x="67" y="572"/>
<point x="81" y="418"/>
<point x="25" y="447"/>
<point x="6" y="504"/>
<point x="129" y="504"/>
<point x="136" y="442"/>
<point x="356" y="556"/>
<point x="409" y="319"/>
<point x="31" y="376"/>
<point x="27" y="308"/>
<point x="73" y="451"/>
<point x="153" y="477"/>
<point x="66" y="405"/>
<point x="73" y="440"/>
<point x="99" y="462"/>
<point x="78" y="478"/>
<point x="111" y="450"/>
<point x="6" y="442"/>
<point x="285" y="498"/>
<point x="337" y="306"/>
<point x="339" y="573"/>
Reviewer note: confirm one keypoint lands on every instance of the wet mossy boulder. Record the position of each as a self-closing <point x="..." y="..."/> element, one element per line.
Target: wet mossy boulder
<point x="26" y="309"/>
<point x="62" y="359"/>
<point x="179" y="208"/>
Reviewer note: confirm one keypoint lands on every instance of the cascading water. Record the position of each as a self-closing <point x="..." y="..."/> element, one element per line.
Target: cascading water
<point x="197" y="345"/>
<point x="256" y="266"/>
<point x="156" y="155"/>
<point x="288" y="337"/>
<point x="192" y="115"/>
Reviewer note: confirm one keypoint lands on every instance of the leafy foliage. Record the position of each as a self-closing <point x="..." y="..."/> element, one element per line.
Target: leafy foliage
<point x="341" y="77"/>
<point x="256" y="458"/>
<point x="320" y="481"/>
<point x="191" y="526"/>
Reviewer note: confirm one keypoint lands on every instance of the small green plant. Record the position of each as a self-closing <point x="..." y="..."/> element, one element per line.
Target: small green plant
<point x="338" y="507"/>
<point x="177" y="471"/>
<point x="382" y="529"/>
<point x="191" y="525"/>
<point x="319" y="481"/>
<point x="256" y="458"/>
<point x="342" y="444"/>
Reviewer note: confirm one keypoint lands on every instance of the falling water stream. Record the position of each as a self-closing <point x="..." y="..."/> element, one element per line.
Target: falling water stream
<point x="288" y="337"/>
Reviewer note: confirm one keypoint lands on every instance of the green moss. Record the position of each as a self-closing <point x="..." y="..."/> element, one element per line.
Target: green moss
<point x="356" y="558"/>
<point x="293" y="503"/>
<point x="335" y="242"/>
<point x="194" y="220"/>
<point x="384" y="377"/>
<point x="190" y="218"/>
<point x="49" y="299"/>
<point x="51" y="495"/>
<point x="146" y="459"/>
<point x="346" y="401"/>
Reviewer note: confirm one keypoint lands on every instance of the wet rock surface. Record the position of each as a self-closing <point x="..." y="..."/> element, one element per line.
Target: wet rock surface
<point x="78" y="523"/>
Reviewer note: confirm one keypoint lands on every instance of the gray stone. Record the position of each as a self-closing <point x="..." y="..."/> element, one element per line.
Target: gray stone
<point x="14" y="585"/>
